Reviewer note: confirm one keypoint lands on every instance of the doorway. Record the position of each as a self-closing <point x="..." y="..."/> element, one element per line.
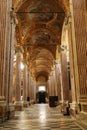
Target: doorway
<point x="41" y="94"/>
<point x="42" y="97"/>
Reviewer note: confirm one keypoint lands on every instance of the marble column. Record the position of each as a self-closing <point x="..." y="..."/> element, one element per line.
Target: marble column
<point x="11" y="58"/>
<point x="6" y="56"/>
<point x="33" y="90"/>
<point x="53" y="89"/>
<point x="18" y="102"/>
<point x="50" y="93"/>
<point x="73" y="104"/>
<point x="64" y="75"/>
<point x="79" y="34"/>
<point x="55" y="82"/>
<point x="28" y="95"/>
<point x="62" y="98"/>
<point x="25" y="85"/>
<point x="49" y="86"/>
<point x="47" y="90"/>
<point x="3" y="26"/>
<point x="57" y="73"/>
<point x="52" y="85"/>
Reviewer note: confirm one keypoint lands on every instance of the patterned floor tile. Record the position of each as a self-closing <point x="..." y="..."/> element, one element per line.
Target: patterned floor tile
<point x="41" y="117"/>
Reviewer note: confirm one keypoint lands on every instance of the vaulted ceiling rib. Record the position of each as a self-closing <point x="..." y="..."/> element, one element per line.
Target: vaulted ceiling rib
<point x="39" y="32"/>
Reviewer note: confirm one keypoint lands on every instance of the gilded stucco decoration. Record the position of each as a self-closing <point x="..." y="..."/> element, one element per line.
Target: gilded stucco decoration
<point x="39" y="31"/>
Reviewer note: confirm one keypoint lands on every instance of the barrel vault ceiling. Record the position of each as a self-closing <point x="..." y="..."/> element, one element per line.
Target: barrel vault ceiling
<point x="39" y="32"/>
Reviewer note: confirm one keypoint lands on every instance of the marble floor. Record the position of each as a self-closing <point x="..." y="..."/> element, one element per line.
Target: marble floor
<point x="41" y="117"/>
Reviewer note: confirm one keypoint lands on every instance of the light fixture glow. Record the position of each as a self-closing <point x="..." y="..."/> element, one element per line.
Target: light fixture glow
<point x="14" y="58"/>
<point x="42" y="88"/>
<point x="22" y="66"/>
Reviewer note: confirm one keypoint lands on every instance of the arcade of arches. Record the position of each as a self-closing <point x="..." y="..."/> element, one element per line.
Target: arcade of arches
<point x="43" y="43"/>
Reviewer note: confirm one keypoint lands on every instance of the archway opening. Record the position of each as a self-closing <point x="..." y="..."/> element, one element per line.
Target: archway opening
<point x="41" y="94"/>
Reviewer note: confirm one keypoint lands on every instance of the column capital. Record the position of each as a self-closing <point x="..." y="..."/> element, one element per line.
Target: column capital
<point x="68" y="18"/>
<point x="13" y="17"/>
<point x="25" y="62"/>
<point x="19" y="49"/>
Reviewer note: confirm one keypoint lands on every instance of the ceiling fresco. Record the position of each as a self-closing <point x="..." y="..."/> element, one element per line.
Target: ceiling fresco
<point x="40" y="11"/>
<point x="39" y="32"/>
<point x="41" y="37"/>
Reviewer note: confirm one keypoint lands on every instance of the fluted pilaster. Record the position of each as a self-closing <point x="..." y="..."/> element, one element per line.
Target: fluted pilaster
<point x="18" y="104"/>
<point x="73" y="105"/>
<point x="52" y="85"/>
<point x="49" y="87"/>
<point x="28" y="96"/>
<point x="3" y="10"/>
<point x="56" y="87"/>
<point x="18" y="77"/>
<point x="3" y="26"/>
<point x="57" y="73"/>
<point x="25" y="85"/>
<point x="32" y="89"/>
<point x="6" y="54"/>
<point x="64" y="73"/>
<point x="73" y="87"/>
<point x="29" y="92"/>
<point x="79" y="46"/>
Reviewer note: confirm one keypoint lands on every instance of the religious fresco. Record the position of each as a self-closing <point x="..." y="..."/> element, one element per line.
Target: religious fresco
<point x="40" y="28"/>
<point x="40" y="11"/>
<point x="41" y="37"/>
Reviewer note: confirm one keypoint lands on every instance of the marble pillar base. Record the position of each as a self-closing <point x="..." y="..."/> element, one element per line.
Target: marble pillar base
<point x="73" y="109"/>
<point x="3" y="109"/>
<point x="11" y="111"/>
<point x="60" y="102"/>
<point x="83" y="103"/>
<point x="18" y="105"/>
<point x="84" y="107"/>
<point x="25" y="104"/>
<point x="32" y="102"/>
